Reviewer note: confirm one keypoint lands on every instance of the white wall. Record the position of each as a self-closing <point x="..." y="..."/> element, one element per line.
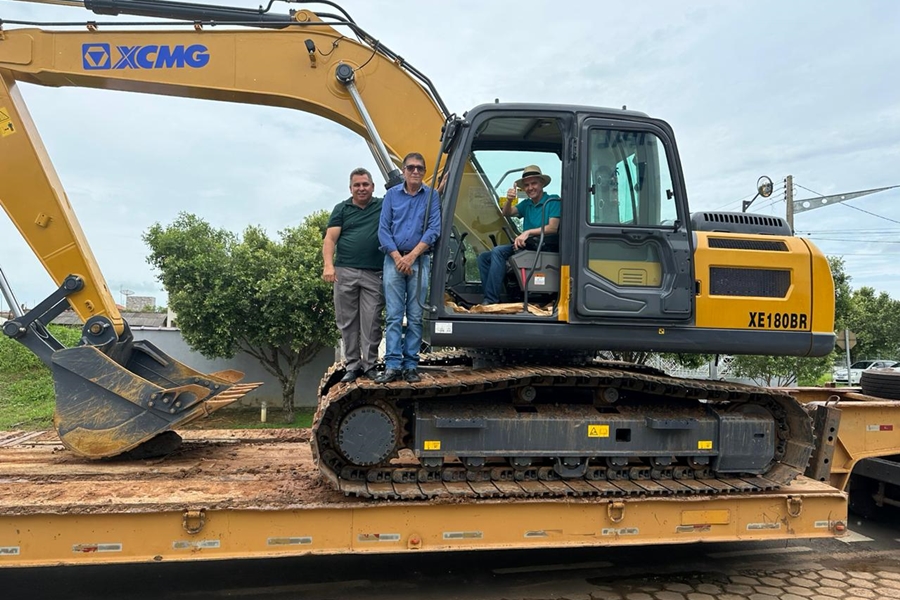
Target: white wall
<point x="170" y="341"/>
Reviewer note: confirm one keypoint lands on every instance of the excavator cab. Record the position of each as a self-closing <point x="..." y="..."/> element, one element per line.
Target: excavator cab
<point x="497" y="157"/>
<point x="622" y="232"/>
<point x="634" y="269"/>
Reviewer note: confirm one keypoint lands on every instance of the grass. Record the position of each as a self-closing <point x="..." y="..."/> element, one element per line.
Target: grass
<point x="27" y="402"/>
<point x="820" y="382"/>
<point x="248" y="418"/>
<point x="27" y="397"/>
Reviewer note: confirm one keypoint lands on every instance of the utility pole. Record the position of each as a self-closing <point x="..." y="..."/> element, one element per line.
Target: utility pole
<point x="789" y="200"/>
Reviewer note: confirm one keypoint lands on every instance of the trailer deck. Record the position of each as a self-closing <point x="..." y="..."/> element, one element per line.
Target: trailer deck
<point x="255" y="494"/>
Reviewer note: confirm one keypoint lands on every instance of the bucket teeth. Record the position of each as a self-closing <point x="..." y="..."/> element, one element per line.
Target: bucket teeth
<point x="229" y="396"/>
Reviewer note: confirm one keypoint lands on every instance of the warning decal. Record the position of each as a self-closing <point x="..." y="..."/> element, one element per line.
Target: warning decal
<point x="600" y="431"/>
<point x="6" y="124"/>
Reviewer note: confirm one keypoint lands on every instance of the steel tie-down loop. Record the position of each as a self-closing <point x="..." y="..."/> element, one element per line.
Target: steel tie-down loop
<point x="193" y="520"/>
<point x="615" y="511"/>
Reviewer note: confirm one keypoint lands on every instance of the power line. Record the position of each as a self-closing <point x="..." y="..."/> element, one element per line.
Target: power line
<point x="771" y="203"/>
<point x="869" y="254"/>
<point x="869" y="231"/>
<point x="855" y="241"/>
<point x="748" y="196"/>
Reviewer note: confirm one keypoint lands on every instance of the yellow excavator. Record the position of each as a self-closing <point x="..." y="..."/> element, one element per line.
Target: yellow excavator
<point x="518" y="404"/>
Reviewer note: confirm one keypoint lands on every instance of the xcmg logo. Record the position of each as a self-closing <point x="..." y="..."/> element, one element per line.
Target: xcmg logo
<point x="98" y="57"/>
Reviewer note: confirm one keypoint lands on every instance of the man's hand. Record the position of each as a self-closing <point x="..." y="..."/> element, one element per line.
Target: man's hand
<point x="328" y="274"/>
<point x="511" y="194"/>
<point x="404" y="263"/>
<point x="520" y="240"/>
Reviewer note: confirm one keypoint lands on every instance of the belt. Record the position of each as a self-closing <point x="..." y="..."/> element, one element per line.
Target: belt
<point x="405" y="252"/>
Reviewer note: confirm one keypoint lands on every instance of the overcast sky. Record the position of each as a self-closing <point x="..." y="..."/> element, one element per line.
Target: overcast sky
<point x="806" y="88"/>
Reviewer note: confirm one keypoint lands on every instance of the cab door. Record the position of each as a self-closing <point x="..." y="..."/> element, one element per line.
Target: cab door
<point x="634" y="248"/>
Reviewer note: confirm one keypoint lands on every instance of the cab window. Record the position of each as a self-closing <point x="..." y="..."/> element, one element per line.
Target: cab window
<point x="630" y="183"/>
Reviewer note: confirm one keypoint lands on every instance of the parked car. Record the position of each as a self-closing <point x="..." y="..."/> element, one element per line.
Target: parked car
<point x="856" y="369"/>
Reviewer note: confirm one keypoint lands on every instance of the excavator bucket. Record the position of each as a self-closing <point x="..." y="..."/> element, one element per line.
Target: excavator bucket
<point x="104" y="408"/>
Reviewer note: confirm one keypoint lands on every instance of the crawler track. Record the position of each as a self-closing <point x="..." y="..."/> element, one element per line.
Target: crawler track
<point x="450" y="376"/>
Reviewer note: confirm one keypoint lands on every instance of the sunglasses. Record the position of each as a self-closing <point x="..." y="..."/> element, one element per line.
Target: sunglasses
<point x="415" y="168"/>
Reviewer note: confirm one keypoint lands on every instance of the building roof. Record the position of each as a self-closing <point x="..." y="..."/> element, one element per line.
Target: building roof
<point x="134" y="319"/>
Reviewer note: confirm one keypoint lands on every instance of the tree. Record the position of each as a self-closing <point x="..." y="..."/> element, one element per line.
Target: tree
<point x="843" y="293"/>
<point x="154" y="309"/>
<point x="253" y="294"/>
<point x="780" y="371"/>
<point x="874" y="317"/>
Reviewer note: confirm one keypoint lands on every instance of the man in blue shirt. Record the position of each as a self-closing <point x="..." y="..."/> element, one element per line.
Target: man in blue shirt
<point x="410" y="225"/>
<point x="492" y="264"/>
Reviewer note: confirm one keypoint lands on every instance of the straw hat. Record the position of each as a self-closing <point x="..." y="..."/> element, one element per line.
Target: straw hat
<point x="532" y="171"/>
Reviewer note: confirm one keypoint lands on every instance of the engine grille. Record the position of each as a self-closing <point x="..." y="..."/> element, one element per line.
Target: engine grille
<point x="761" y="283"/>
<point x="738" y="244"/>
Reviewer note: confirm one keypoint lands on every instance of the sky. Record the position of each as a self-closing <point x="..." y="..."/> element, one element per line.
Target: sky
<point x="807" y="88"/>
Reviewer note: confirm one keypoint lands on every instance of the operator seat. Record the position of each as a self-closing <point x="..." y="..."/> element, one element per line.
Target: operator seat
<point x="545" y="279"/>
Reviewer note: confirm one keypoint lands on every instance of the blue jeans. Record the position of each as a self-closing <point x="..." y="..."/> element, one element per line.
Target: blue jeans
<point x="492" y="266"/>
<point x="402" y="351"/>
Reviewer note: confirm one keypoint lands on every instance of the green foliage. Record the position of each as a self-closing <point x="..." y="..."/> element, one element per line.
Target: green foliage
<point x="873" y="316"/>
<point x="149" y="308"/>
<point x="875" y="319"/>
<point x="688" y="361"/>
<point x="264" y="297"/>
<point x="843" y="293"/>
<point x="27" y="398"/>
<point x="780" y="371"/>
<point x="472" y="273"/>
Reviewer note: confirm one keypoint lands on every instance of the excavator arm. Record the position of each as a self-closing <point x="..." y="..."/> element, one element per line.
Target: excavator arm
<point x="114" y="394"/>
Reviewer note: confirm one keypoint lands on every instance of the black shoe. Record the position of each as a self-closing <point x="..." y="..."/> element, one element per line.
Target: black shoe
<point x="411" y="376"/>
<point x="371" y="373"/>
<point x="389" y="375"/>
<point x="351" y="375"/>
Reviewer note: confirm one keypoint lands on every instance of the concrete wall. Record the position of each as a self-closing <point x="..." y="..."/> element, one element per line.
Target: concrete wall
<point x="170" y="341"/>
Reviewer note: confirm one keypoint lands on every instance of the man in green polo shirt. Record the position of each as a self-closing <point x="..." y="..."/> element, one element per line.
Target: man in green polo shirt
<point x="353" y="263"/>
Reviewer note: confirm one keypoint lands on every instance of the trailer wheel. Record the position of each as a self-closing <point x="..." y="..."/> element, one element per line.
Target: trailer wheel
<point x="881" y="383"/>
<point x="862" y="497"/>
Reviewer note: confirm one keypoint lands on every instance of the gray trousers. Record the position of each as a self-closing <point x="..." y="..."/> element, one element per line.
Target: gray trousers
<point x="358" y="302"/>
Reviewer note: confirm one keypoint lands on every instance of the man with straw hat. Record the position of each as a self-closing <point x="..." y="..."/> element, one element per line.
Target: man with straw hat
<point x="541" y="209"/>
